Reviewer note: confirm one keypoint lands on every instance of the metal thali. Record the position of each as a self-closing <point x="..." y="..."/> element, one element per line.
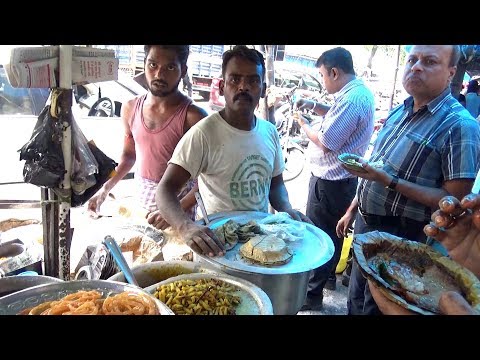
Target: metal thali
<point x="314" y="250"/>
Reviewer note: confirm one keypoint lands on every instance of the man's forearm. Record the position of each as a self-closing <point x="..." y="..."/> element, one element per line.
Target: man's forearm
<point x="170" y="207"/>
<point x="122" y="169"/>
<point x="424" y="195"/>
<point x="189" y="200"/>
<point x="313" y="136"/>
<point x="279" y="198"/>
<point x="318" y="108"/>
<point x="353" y="208"/>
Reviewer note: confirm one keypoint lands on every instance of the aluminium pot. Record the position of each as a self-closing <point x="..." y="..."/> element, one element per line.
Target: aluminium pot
<point x="286" y="285"/>
<point x="286" y="291"/>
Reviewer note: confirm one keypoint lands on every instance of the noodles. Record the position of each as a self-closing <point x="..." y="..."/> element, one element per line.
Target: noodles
<point x="91" y="303"/>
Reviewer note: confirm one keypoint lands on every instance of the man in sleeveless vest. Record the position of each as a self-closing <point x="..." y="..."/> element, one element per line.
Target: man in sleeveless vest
<point x="154" y="123"/>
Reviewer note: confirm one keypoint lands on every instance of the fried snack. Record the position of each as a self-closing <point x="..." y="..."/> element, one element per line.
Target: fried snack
<point x="199" y="297"/>
<point x="91" y="303"/>
<point x="127" y="303"/>
<point x="232" y="232"/>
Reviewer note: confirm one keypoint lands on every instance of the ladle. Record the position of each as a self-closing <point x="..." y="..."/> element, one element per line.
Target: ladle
<point x="112" y="245"/>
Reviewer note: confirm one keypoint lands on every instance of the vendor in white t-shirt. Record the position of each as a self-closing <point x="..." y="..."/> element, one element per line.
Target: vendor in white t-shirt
<point x="236" y="157"/>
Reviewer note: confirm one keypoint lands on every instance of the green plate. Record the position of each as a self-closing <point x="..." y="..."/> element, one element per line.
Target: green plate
<point x="350" y="161"/>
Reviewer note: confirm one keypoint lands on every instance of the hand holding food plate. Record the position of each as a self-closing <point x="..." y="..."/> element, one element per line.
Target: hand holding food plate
<point x="412" y="274"/>
<point x="352" y="162"/>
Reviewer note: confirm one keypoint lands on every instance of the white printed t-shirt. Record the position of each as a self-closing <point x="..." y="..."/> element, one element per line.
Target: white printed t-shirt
<point x="234" y="167"/>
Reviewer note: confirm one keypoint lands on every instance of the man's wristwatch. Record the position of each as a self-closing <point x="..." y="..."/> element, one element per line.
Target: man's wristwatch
<point x="393" y="183"/>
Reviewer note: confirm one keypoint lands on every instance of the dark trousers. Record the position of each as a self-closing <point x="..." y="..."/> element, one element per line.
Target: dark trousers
<point x="327" y="202"/>
<point x="360" y="300"/>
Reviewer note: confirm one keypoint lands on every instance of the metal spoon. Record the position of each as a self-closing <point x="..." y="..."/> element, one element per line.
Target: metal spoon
<point x="112" y="245"/>
<point x="199" y="199"/>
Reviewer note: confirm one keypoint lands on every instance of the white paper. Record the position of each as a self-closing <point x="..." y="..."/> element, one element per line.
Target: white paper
<point x="82" y="51"/>
<point x="35" y="67"/>
<point x="32" y="66"/>
<point x="94" y="69"/>
<point x="35" y="74"/>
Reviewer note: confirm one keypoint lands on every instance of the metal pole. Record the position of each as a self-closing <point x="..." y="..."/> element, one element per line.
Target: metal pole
<point x="65" y="238"/>
<point x="56" y="209"/>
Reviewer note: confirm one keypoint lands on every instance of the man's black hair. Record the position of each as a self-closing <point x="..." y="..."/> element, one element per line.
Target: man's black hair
<point x="337" y="57"/>
<point x="182" y="51"/>
<point x="244" y="52"/>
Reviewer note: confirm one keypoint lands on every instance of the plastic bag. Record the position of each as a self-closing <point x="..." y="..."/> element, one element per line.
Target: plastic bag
<point x="44" y="165"/>
<point x="106" y="169"/>
<point x="84" y="164"/>
<point x="282" y="226"/>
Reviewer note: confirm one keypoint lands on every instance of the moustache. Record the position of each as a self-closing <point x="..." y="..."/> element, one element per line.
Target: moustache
<point x="159" y="82"/>
<point x="414" y="77"/>
<point x="242" y="96"/>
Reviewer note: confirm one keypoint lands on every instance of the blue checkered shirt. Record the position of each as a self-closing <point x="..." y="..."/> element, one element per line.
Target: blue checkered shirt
<point x="440" y="142"/>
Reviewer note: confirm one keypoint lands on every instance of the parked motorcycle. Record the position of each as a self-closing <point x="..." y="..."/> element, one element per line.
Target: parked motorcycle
<point x="293" y="146"/>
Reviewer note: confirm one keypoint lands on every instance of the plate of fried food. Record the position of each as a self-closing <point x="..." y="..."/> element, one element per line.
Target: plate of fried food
<point x="83" y="297"/>
<point x="352" y="162"/>
<point x="412" y="274"/>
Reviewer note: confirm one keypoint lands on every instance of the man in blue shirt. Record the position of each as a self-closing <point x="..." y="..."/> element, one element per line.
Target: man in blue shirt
<point x="429" y="146"/>
<point x="346" y="127"/>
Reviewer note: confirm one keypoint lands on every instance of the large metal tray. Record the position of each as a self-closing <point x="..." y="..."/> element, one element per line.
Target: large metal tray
<point x="254" y="300"/>
<point x="14" y="303"/>
<point x="314" y="250"/>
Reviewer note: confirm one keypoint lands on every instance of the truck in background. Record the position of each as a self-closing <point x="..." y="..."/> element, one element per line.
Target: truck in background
<point x="204" y="64"/>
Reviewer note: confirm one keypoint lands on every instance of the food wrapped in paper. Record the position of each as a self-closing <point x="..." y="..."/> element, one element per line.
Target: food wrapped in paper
<point x="412" y="274"/>
<point x="266" y="250"/>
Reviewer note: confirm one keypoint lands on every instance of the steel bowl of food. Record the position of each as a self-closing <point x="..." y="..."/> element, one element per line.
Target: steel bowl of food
<point x="412" y="274"/>
<point x="151" y="273"/>
<point x="211" y="294"/>
<point x="83" y="297"/>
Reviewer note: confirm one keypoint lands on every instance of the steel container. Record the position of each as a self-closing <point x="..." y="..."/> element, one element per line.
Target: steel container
<point x="286" y="285"/>
<point x="254" y="301"/>
<point x="11" y="284"/>
<point x="153" y="272"/>
<point x="14" y="303"/>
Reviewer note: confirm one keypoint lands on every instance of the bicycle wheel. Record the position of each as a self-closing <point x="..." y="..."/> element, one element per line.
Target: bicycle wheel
<point x="294" y="163"/>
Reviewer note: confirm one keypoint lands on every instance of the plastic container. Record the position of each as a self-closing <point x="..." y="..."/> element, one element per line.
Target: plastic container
<point x="342" y="263"/>
<point x="28" y="273"/>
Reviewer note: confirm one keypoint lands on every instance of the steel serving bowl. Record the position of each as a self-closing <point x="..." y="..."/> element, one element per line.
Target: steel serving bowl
<point x="286" y="285"/>
<point x="151" y="273"/>
<point x="11" y="284"/>
<point x="14" y="303"/>
<point x="254" y="301"/>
